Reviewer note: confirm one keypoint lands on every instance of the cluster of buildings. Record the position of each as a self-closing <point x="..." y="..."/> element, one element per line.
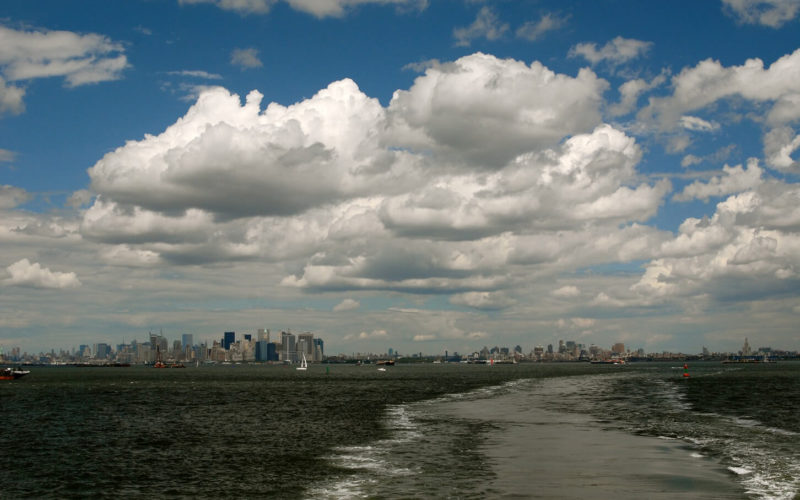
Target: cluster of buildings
<point x="290" y="348"/>
<point x="262" y="346"/>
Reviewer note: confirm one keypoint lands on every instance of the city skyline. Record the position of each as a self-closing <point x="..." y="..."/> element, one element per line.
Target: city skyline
<point x="288" y="348"/>
<point x="406" y="173"/>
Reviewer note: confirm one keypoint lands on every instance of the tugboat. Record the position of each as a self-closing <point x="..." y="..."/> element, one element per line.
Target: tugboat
<point x="159" y="363"/>
<point x="12" y="373"/>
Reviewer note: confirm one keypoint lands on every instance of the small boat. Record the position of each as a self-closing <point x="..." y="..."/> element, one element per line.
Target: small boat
<point x="381" y="369"/>
<point x="12" y="373"/>
<point x="304" y="364"/>
<point x="159" y="363"/>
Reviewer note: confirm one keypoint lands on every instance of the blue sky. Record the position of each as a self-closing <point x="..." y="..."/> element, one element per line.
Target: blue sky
<point x="421" y="175"/>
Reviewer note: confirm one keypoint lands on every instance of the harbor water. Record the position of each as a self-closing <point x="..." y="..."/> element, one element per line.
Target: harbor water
<point x="427" y="431"/>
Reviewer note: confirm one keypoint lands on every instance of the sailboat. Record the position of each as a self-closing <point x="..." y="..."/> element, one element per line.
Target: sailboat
<point x="304" y="364"/>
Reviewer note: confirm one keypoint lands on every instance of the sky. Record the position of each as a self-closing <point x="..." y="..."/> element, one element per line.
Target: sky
<point x="421" y="175"/>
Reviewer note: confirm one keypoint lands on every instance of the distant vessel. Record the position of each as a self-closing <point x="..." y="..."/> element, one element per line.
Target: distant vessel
<point x="304" y="364"/>
<point x="388" y="362"/>
<point x="752" y="359"/>
<point x="12" y="373"/>
<point x="159" y="363"/>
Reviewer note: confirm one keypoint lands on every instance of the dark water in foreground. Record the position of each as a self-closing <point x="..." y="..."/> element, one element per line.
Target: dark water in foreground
<point x="455" y="431"/>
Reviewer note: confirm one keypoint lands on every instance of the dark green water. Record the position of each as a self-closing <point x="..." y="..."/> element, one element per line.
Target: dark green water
<point x="270" y="431"/>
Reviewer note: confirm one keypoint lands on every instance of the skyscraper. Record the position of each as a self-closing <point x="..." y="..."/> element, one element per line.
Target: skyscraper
<point x="262" y="350"/>
<point x="307" y="341"/>
<point x="187" y="339"/>
<point x="230" y="338"/>
<point x="288" y="347"/>
<point x="319" y="350"/>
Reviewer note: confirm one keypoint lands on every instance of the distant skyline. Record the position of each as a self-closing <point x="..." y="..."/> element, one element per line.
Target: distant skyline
<point x="401" y="173"/>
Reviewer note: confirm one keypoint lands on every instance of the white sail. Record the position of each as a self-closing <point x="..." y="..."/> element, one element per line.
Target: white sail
<point x="303" y="364"/>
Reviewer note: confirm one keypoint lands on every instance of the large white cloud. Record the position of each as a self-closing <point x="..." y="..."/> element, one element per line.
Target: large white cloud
<point x="419" y="197"/>
<point x="588" y="179"/>
<point x="25" y="273"/>
<point x="486" y="111"/>
<point x="748" y="250"/>
<point x="233" y="160"/>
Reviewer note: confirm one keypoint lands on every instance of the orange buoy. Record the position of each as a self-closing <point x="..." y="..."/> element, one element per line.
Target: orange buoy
<point x="685" y="370"/>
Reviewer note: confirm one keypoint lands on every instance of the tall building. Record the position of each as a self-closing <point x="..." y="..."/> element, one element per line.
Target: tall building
<point x="618" y="348"/>
<point x="263" y="334"/>
<point x="102" y="351"/>
<point x="187" y="340"/>
<point x="319" y="350"/>
<point x="158" y="342"/>
<point x="288" y="347"/>
<point x="307" y="341"/>
<point x="262" y="350"/>
<point x="228" y="339"/>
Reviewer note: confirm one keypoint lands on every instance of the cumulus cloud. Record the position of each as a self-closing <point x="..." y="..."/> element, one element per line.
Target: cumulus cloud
<point x="785" y="111"/>
<point x="232" y="160"/>
<point x="614" y="53"/>
<point x="486" y="110"/>
<point x="772" y="13"/>
<point x="486" y="25"/>
<point x="25" y="273"/>
<point x="346" y="305"/>
<point x="534" y="30"/>
<point x="733" y="180"/>
<point x="709" y="81"/>
<point x="484" y="165"/>
<point x="751" y="240"/>
<point x="79" y="59"/>
<point x="246" y="58"/>
<point x="779" y="146"/>
<point x="585" y="179"/>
